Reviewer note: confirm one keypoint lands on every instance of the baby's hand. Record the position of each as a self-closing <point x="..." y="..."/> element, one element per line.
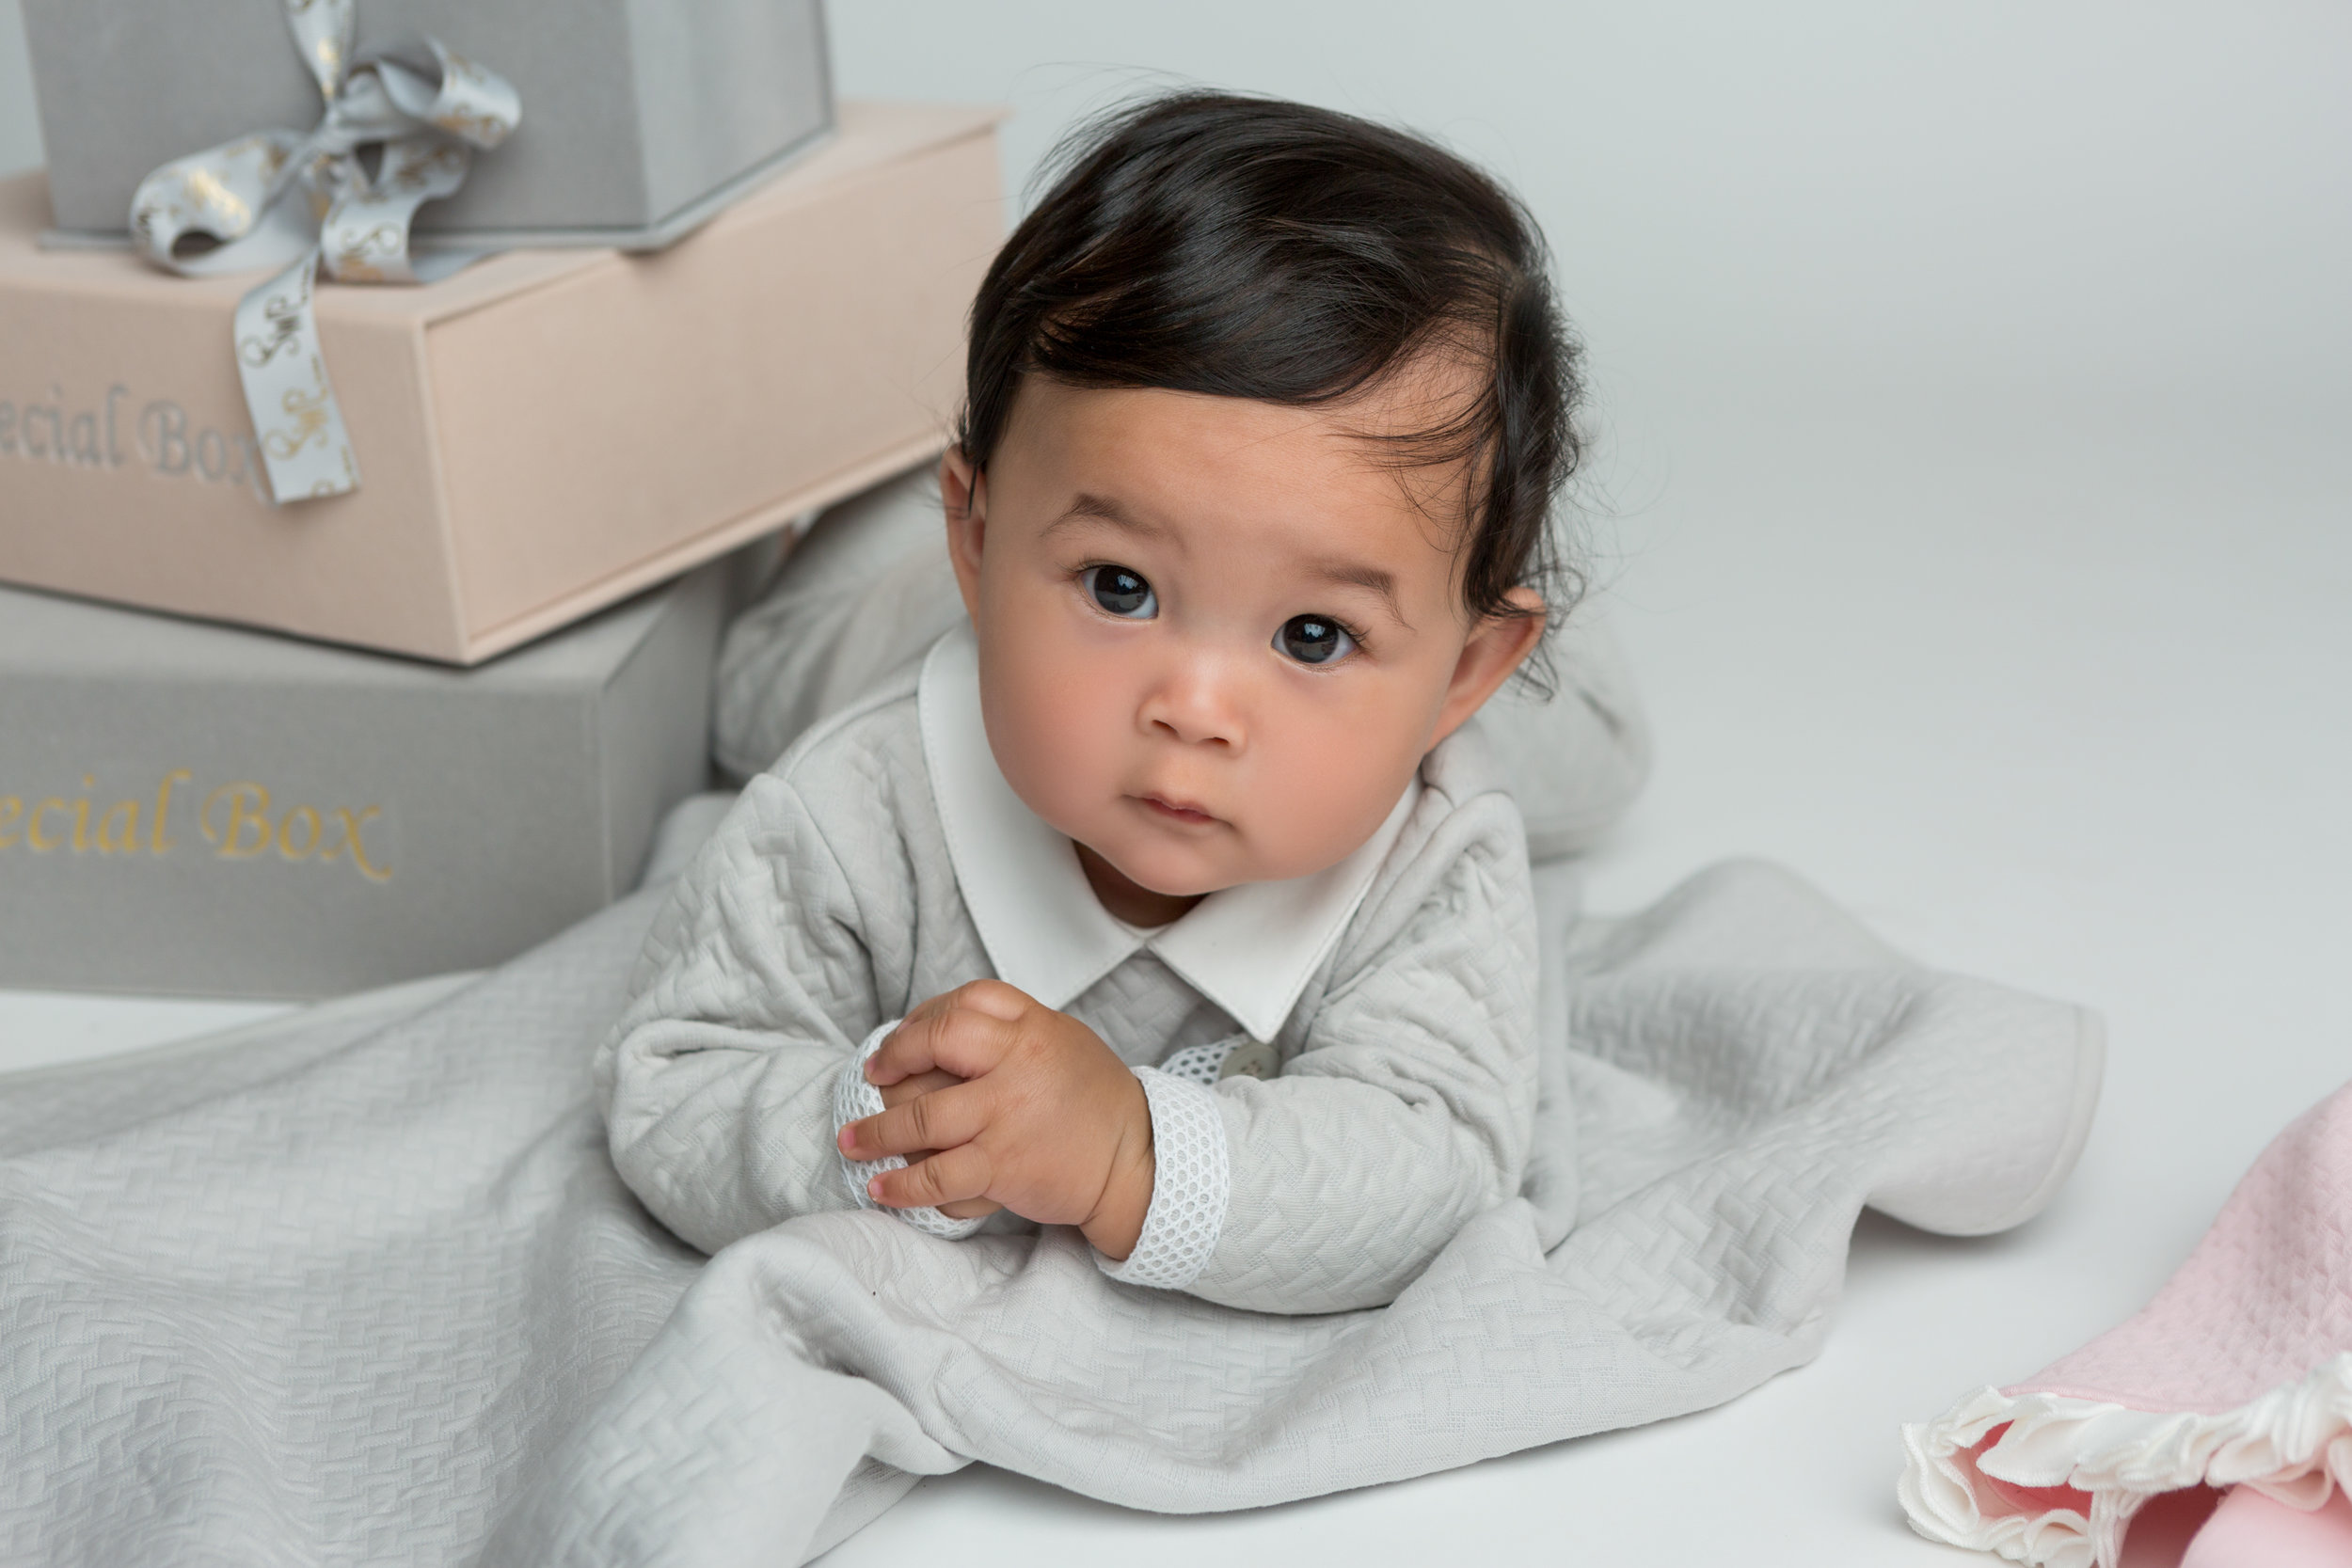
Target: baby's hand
<point x="1046" y="1121"/>
<point x="915" y="1088"/>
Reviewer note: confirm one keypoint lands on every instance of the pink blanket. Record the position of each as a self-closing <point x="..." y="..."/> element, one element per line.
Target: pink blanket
<point x="2239" y="1372"/>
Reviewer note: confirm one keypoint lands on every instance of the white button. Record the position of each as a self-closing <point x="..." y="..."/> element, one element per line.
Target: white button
<point x="1251" y="1059"/>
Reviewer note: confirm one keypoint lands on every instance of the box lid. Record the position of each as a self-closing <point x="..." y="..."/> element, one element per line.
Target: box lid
<point x="873" y="135"/>
<point x="49" y="636"/>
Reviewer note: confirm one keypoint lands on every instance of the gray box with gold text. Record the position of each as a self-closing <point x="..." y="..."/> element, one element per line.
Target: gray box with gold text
<point x="199" y="810"/>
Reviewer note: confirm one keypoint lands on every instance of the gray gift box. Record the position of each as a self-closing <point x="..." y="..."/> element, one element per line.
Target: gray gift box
<point x="199" y="810"/>
<point x="640" y="118"/>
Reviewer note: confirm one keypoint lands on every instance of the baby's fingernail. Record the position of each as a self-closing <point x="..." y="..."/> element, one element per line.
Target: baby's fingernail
<point x="847" y="1138"/>
<point x="873" y="1189"/>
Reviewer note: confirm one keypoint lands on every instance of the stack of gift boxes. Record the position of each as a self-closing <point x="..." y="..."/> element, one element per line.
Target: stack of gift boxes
<point x="268" y="745"/>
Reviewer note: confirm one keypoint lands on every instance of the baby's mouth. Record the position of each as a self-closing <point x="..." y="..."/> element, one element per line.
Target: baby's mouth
<point x="1176" y="811"/>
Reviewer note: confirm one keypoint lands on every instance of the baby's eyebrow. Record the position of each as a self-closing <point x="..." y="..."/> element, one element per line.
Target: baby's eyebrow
<point x="1102" y="509"/>
<point x="1358" y="574"/>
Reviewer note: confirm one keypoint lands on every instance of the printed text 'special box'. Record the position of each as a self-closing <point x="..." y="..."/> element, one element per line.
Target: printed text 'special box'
<point x="538" y="436"/>
<point x="200" y="810"/>
<point x="640" y="118"/>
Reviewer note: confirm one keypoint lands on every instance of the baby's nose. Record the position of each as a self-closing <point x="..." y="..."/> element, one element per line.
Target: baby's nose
<point x="1197" y="702"/>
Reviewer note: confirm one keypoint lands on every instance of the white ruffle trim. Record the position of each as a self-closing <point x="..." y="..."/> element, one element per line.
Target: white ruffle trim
<point x="2294" y="1444"/>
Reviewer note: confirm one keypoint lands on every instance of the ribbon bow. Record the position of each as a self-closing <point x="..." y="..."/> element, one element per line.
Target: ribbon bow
<point x="225" y="208"/>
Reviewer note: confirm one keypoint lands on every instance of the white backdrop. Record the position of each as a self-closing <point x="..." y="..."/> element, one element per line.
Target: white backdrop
<point x="1971" y="486"/>
<point x="2087" y="187"/>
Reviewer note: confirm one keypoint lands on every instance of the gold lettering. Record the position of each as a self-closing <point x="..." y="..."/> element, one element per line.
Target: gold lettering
<point x="81" y="816"/>
<point x="349" y="839"/>
<point x="248" y="807"/>
<point x="34" y="837"/>
<point x="11" y="807"/>
<point x="164" y="436"/>
<point x="159" y="845"/>
<point x="126" y="814"/>
<point x="286" y="833"/>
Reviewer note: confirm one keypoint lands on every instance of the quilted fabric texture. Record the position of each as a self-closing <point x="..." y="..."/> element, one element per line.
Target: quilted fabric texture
<point x="2239" y="1371"/>
<point x="827" y="903"/>
<point x="322" y="1291"/>
<point x="363" y="1287"/>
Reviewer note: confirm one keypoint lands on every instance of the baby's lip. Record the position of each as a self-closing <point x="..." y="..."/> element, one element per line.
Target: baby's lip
<point x="1177" y="810"/>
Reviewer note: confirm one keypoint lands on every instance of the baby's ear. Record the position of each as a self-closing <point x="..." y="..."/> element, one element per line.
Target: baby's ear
<point x="1497" y="645"/>
<point x="963" y="499"/>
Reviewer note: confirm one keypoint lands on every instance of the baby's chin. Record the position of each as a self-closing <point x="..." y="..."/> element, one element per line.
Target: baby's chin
<point x="1172" y="876"/>
<point x="1182" y="871"/>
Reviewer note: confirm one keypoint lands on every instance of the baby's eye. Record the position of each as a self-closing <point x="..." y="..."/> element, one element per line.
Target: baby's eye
<point x="1312" y="640"/>
<point x="1123" y="592"/>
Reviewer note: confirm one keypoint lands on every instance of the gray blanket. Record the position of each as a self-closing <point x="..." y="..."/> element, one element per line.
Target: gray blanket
<point x="360" y="1286"/>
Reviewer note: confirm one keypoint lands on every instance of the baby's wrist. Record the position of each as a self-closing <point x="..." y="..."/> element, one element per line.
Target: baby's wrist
<point x="1117" y="1222"/>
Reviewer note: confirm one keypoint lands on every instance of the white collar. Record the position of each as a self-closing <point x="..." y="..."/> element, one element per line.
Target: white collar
<point x="1250" y="949"/>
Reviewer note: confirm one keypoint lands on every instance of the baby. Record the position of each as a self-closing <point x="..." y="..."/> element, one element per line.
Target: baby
<point x="1174" y="896"/>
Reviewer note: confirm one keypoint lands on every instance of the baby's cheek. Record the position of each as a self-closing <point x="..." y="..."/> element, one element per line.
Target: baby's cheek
<point x="1059" y="744"/>
<point x="1331" y="786"/>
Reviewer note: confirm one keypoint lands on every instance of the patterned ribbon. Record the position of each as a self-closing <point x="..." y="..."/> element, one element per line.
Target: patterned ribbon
<point x="424" y="110"/>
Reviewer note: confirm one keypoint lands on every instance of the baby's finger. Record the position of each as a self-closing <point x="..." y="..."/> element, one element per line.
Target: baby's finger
<point x="970" y="1209"/>
<point x="921" y="1083"/>
<point x="944" y="999"/>
<point x="992" y="997"/>
<point x="948" y="1177"/>
<point x="955" y="1039"/>
<point x="920" y="1013"/>
<point x="941" y="1119"/>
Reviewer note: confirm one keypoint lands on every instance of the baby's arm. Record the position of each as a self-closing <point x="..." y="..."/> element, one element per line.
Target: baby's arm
<point x="1408" y="1111"/>
<point x="1410" y="1107"/>
<point x="756" y="986"/>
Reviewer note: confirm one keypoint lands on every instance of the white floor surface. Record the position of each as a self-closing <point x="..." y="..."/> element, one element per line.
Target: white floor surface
<point x="2053" y="688"/>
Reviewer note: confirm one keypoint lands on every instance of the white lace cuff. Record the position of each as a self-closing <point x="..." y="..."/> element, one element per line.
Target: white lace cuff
<point x="1191" y="1180"/>
<point x="854" y="1099"/>
<point x="1200" y="1064"/>
<point x="1237" y="1057"/>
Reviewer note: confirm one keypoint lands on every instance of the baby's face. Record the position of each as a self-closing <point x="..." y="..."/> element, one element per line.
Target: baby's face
<point x="1216" y="637"/>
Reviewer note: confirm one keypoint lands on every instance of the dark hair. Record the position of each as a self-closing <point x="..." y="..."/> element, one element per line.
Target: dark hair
<point x="1248" y="248"/>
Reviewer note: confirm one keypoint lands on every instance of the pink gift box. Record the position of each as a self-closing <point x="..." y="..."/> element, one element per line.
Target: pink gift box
<point x="539" y="435"/>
